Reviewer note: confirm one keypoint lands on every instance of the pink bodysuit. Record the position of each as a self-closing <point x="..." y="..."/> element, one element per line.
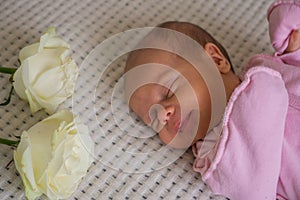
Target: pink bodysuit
<point x="257" y="155"/>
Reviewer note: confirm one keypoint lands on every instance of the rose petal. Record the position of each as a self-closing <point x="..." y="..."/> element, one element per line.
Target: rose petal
<point x="44" y="86"/>
<point x="39" y="63"/>
<point x="50" y="40"/>
<point x="34" y="105"/>
<point x="28" y="51"/>
<point x="23" y="163"/>
<point x="19" y="84"/>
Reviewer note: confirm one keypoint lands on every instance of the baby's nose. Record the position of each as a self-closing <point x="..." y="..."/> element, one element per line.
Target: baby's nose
<point x="160" y="115"/>
<point x="165" y="114"/>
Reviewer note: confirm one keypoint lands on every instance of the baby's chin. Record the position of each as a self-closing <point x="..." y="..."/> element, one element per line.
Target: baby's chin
<point x="178" y="142"/>
<point x="187" y="135"/>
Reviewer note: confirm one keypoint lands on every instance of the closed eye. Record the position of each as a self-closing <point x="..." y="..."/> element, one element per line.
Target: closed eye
<point x="169" y="93"/>
<point x="171" y="88"/>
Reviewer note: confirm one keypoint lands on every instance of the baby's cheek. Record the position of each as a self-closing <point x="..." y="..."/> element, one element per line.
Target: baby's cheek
<point x="165" y="136"/>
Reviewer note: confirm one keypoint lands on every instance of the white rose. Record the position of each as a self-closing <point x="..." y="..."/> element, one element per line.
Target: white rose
<point x="47" y="73"/>
<point x="53" y="156"/>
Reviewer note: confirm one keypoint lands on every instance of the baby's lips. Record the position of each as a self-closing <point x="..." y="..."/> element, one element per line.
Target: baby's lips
<point x="177" y="125"/>
<point x="189" y="124"/>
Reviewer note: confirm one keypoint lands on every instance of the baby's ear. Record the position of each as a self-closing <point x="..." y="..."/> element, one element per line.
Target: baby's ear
<point x="217" y="56"/>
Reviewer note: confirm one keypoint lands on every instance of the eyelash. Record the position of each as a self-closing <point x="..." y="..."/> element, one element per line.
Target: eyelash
<point x="169" y="93"/>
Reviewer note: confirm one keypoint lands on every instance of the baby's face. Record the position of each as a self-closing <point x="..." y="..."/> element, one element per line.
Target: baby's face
<point x="175" y="119"/>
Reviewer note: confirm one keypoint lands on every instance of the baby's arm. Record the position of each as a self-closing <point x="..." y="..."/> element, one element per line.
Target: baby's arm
<point x="284" y="26"/>
<point x="247" y="163"/>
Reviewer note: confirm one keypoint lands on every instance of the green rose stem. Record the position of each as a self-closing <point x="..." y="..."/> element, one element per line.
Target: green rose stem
<point x="9" y="96"/>
<point x="6" y="70"/>
<point x="12" y="143"/>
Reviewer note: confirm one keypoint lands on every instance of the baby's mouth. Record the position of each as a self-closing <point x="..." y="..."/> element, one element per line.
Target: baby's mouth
<point x="188" y="124"/>
<point x="181" y="124"/>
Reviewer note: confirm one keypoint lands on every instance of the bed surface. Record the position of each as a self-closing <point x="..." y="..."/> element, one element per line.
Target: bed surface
<point x="240" y="26"/>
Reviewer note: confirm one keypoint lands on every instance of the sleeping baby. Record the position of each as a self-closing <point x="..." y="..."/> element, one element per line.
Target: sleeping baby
<point x="252" y="143"/>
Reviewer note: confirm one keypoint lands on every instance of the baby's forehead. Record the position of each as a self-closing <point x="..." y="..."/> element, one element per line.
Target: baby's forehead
<point x="150" y="68"/>
<point x="145" y="56"/>
<point x="142" y="92"/>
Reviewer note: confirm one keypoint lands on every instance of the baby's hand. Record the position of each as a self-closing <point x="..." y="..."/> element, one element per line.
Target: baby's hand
<point x="294" y="41"/>
<point x="284" y="27"/>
